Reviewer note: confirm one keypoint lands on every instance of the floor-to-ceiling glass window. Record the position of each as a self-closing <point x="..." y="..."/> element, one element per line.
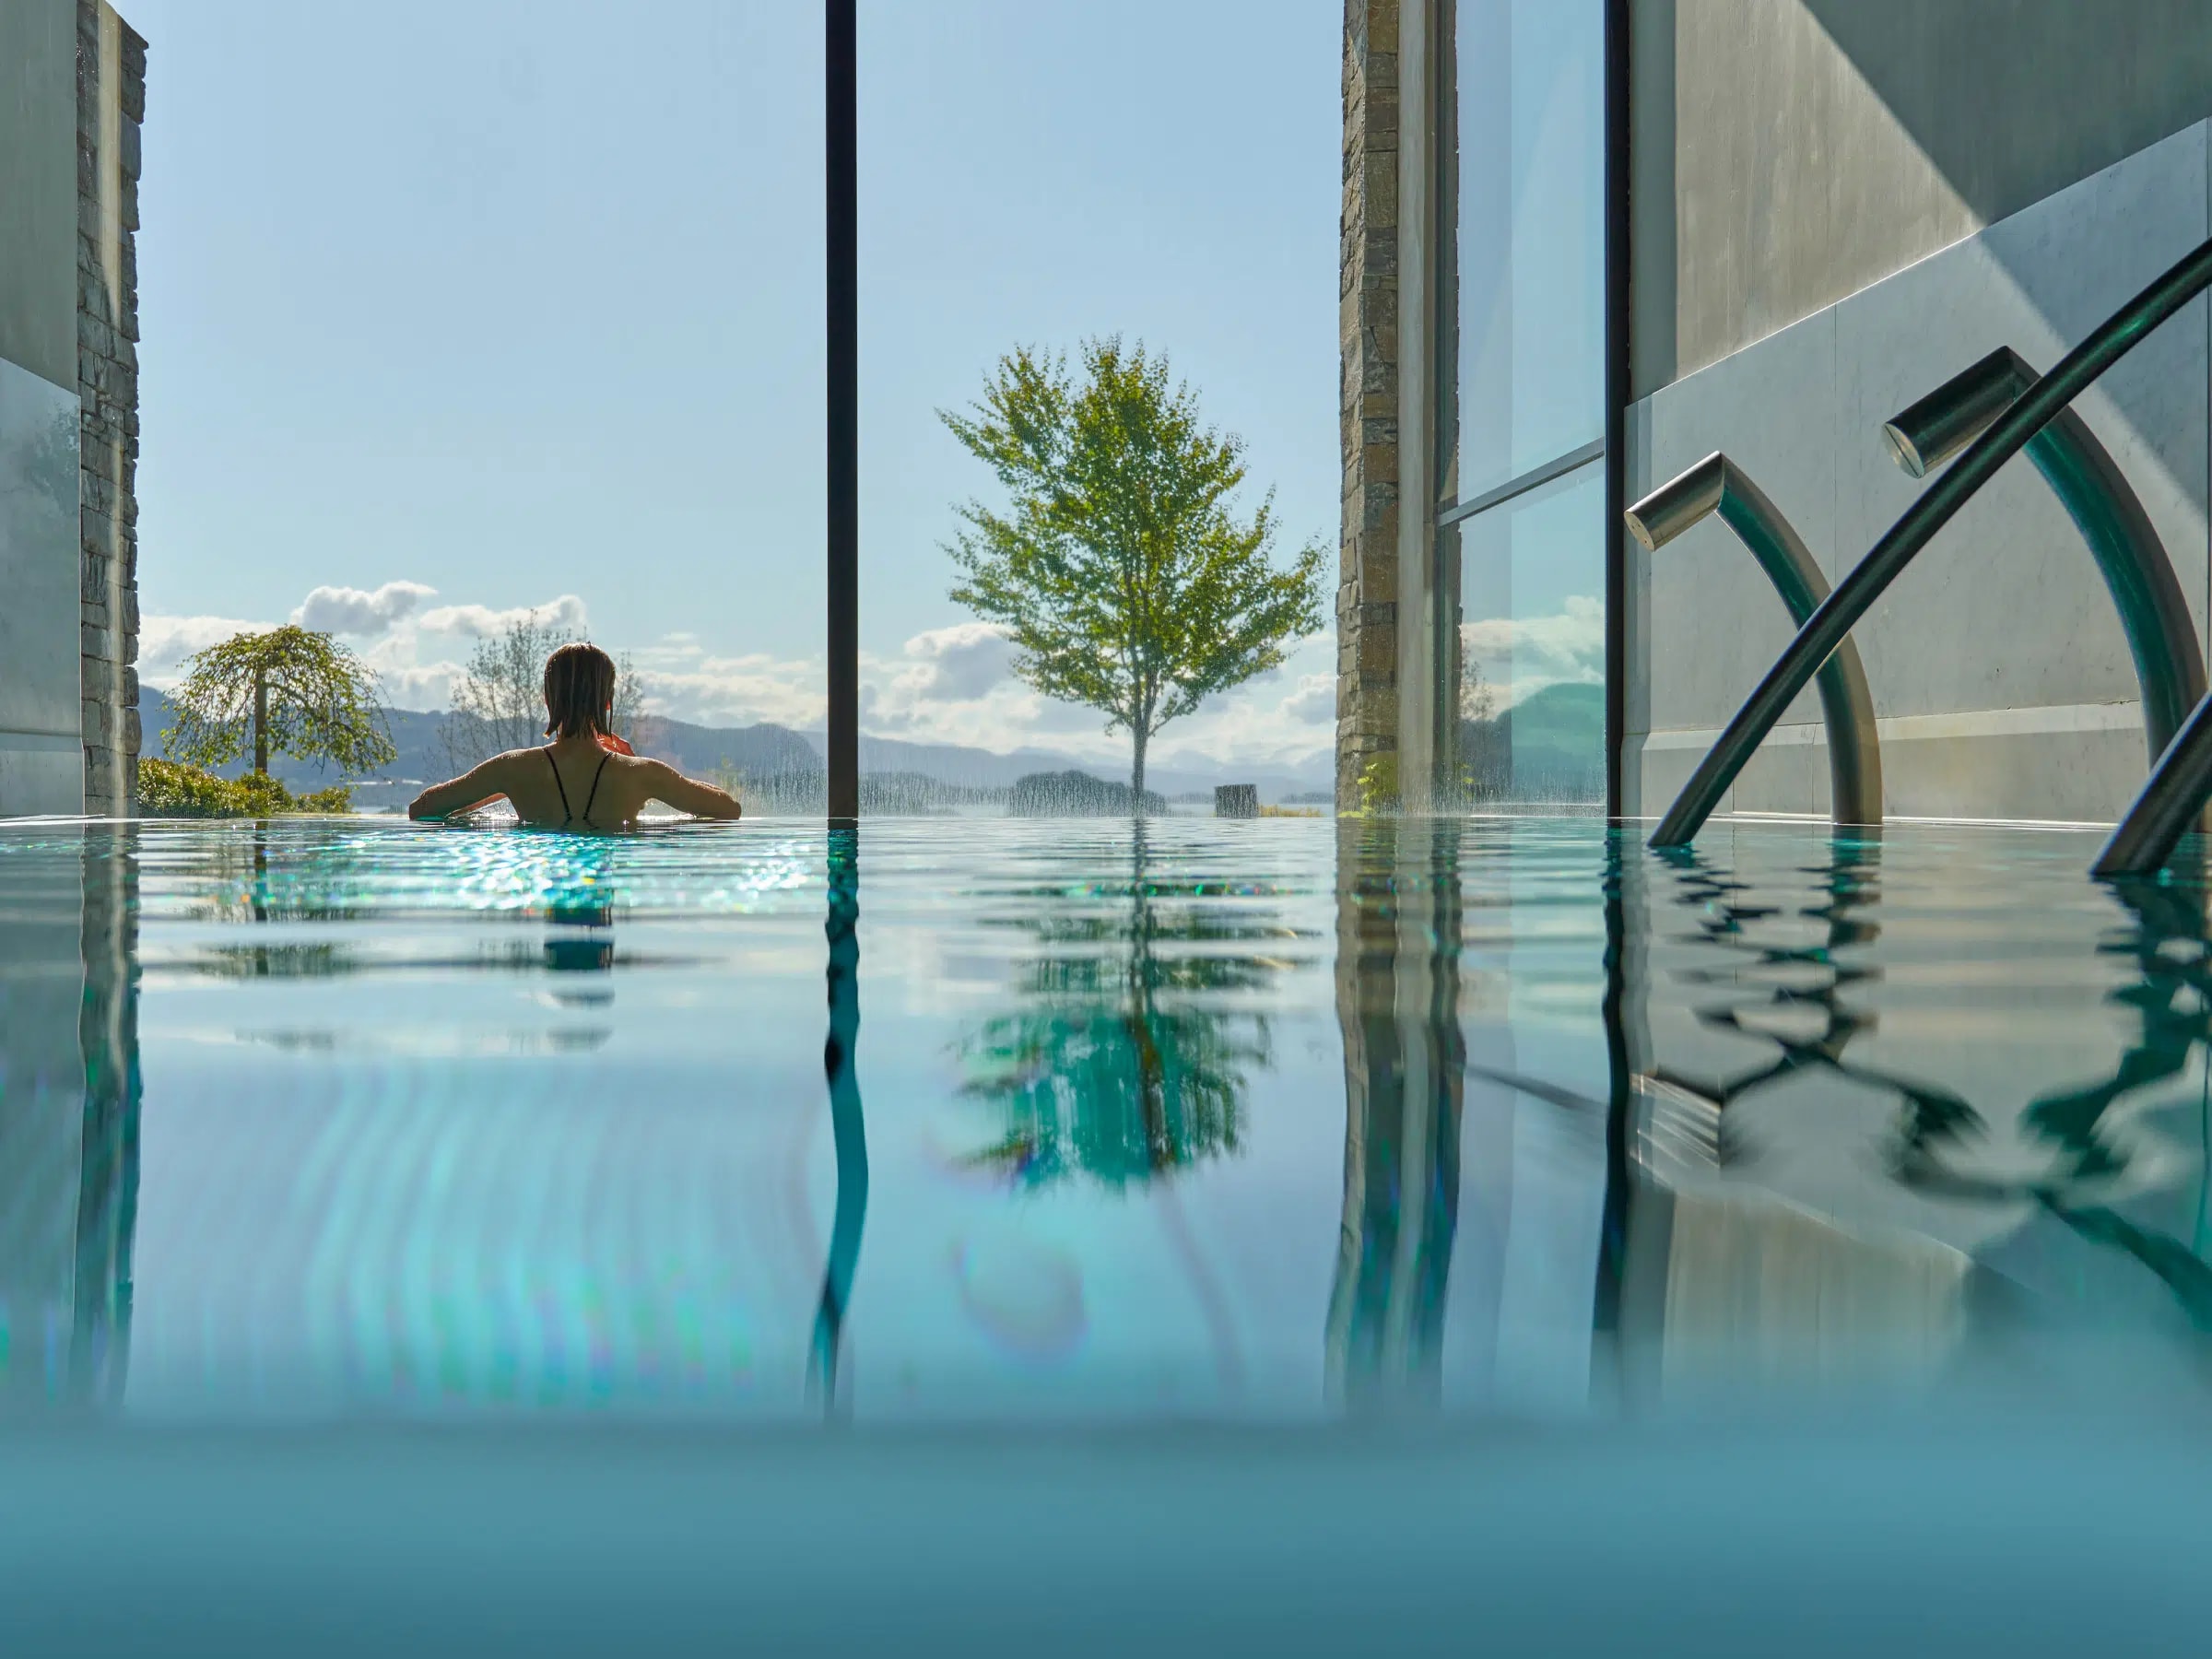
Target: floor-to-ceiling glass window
<point x="467" y="330"/>
<point x="1520" y="543"/>
<point x="1032" y="218"/>
<point x="1099" y="366"/>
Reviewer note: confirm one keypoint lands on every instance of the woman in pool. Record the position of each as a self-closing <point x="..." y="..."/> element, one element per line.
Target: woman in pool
<point x="584" y="779"/>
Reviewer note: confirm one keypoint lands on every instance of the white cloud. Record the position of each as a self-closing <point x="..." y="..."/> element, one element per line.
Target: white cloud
<point x="955" y="685"/>
<point x="685" y="683"/>
<point x="949" y="685"/>
<point x="482" y="621"/>
<point x="165" y="642"/>
<point x="412" y="651"/>
<point x="1520" y="656"/>
<point x="959" y="664"/>
<point x="1280" y="721"/>
<point x="368" y="614"/>
<point x="410" y="677"/>
<point x="1314" y="701"/>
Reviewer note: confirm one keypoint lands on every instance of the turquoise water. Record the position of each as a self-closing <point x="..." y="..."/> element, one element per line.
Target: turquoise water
<point x="1270" y="1121"/>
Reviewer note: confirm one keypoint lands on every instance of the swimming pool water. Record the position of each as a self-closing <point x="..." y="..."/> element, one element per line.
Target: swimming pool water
<point x="1274" y="1120"/>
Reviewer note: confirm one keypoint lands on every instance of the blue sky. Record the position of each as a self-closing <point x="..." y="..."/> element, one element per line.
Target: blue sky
<point x="452" y="309"/>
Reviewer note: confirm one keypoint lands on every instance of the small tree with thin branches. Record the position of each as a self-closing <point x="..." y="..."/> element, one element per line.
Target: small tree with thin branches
<point x="499" y="703"/>
<point x="288" y="691"/>
<point x="1121" y="568"/>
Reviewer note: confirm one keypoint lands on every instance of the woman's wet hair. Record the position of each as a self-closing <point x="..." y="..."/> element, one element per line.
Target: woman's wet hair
<point x="580" y="685"/>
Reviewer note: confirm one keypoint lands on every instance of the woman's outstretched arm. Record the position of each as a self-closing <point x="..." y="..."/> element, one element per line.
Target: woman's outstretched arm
<point x="465" y="794"/>
<point x="667" y="785"/>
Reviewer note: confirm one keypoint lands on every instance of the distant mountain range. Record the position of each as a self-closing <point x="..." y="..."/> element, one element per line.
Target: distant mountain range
<point x="779" y="760"/>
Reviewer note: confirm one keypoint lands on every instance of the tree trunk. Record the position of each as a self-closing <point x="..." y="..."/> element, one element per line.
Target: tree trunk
<point x="261" y="723"/>
<point x="1136" y="777"/>
<point x="1160" y="1151"/>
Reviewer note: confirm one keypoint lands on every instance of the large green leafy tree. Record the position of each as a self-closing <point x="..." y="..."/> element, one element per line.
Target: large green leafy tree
<point x="1120" y="566"/>
<point x="289" y="691"/>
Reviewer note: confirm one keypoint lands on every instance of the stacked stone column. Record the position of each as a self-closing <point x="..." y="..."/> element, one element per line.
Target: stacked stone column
<point x="111" y="105"/>
<point x="1367" y="592"/>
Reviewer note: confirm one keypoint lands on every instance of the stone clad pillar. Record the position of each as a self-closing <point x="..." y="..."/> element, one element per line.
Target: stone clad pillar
<point x="1367" y="591"/>
<point x="111" y="104"/>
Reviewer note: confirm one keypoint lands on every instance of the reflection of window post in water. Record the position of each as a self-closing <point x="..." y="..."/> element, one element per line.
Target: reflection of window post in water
<point x="1628" y="1046"/>
<point x="107" y="1201"/>
<point x="69" y="1130"/>
<point x="848" y="1130"/>
<point x="1397" y="999"/>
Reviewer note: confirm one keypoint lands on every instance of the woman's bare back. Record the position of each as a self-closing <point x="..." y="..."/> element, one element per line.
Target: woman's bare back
<point x="573" y="783"/>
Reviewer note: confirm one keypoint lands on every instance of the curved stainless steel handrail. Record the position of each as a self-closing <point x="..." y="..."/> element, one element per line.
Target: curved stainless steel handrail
<point x="2169" y="802"/>
<point x="1818" y="639"/>
<point x="1717" y="484"/>
<point x="2161" y="637"/>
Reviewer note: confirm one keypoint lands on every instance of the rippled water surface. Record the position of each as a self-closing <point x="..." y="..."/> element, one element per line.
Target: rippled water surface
<point x="1280" y="1120"/>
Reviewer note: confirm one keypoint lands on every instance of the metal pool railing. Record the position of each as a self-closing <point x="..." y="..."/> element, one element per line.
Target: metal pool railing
<point x="1827" y="628"/>
<point x="1716" y="485"/>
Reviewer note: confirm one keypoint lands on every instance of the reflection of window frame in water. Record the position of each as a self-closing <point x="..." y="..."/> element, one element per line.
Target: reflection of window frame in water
<point x="69" y="1338"/>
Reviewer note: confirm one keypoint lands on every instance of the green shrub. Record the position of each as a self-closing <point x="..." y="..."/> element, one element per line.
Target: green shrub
<point x="167" y="789"/>
<point x="171" y="789"/>
<point x="1378" y="786"/>
<point x="336" y="798"/>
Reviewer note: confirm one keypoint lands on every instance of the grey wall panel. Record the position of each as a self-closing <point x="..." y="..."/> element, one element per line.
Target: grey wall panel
<point x="1789" y="774"/>
<point x="1654" y="252"/>
<point x="2062" y="767"/>
<point x="1998" y="668"/>
<point x="1779" y="425"/>
<point x="1790" y="152"/>
<point x="39" y="677"/>
<point x="42" y="1107"/>
<point x="2011" y="571"/>
<point x="38" y="187"/>
<point x="41" y="775"/>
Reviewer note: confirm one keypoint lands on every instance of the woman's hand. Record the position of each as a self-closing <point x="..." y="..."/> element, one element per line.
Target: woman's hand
<point x="473" y="789"/>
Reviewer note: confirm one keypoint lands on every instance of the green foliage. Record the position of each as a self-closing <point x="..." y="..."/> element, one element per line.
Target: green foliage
<point x="1130" y="1051"/>
<point x="499" y="703"/>
<point x="1120" y="568"/>
<point x="172" y="789"/>
<point x="289" y="691"/>
<point x="1378" y="786"/>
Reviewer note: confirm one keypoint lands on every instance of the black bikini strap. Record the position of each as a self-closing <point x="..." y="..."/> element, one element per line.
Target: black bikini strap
<point x="566" y="816"/>
<point x="604" y="759"/>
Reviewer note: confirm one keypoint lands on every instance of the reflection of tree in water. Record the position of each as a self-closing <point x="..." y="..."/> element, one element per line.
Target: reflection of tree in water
<point x="69" y="1117"/>
<point x="268" y="878"/>
<point x="2169" y="1000"/>
<point x="276" y="881"/>
<point x="243" y="879"/>
<point x="1122" y="1062"/>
